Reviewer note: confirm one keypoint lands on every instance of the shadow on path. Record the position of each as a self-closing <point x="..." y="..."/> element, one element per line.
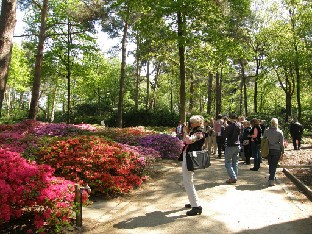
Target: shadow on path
<point x="151" y="219"/>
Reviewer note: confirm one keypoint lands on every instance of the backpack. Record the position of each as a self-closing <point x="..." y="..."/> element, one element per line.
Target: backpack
<point x="264" y="147"/>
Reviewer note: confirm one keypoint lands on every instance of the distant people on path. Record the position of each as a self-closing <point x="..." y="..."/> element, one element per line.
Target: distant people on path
<point x="232" y="149"/>
<point x="194" y="141"/>
<point x="275" y="138"/>
<point x="255" y="143"/>
<point x="262" y="124"/>
<point x="296" y="131"/>
<point x="218" y="127"/>
<point x="246" y="139"/>
<point x="179" y="130"/>
<point x="206" y="130"/>
<point x="211" y="142"/>
<point x="241" y="120"/>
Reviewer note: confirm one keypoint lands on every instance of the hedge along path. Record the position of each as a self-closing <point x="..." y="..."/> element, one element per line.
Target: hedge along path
<point x="249" y="206"/>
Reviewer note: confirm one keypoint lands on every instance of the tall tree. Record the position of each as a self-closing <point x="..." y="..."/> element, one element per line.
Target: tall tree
<point x="38" y="65"/>
<point x="209" y="94"/>
<point x="122" y="73"/>
<point x="181" y="47"/>
<point x="7" y="26"/>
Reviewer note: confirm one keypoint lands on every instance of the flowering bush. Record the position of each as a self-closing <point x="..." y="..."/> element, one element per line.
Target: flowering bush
<point x="168" y="146"/>
<point x="28" y="185"/>
<point x="106" y="166"/>
<point x="130" y="136"/>
<point x="38" y="129"/>
<point x="109" y="168"/>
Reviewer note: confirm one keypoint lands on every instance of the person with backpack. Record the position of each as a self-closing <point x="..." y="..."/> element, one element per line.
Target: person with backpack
<point x="232" y="149"/>
<point x="275" y="138"/>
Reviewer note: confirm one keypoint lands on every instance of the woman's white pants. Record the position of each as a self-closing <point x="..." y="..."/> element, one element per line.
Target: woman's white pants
<point x="189" y="184"/>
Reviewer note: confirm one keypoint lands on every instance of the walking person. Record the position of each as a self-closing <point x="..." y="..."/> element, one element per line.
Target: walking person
<point x="296" y="131"/>
<point x="179" y="130"/>
<point x="212" y="138"/>
<point x="218" y="128"/>
<point x="207" y="129"/>
<point x="232" y="149"/>
<point x="194" y="141"/>
<point x="275" y="138"/>
<point x="255" y="143"/>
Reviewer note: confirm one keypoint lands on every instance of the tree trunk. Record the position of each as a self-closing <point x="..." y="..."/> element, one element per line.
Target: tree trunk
<point x="191" y="102"/>
<point x="7" y="26"/>
<point x="122" y="74"/>
<point x="209" y="94"/>
<point x="218" y="94"/>
<point x="69" y="44"/>
<point x="181" y="46"/>
<point x="138" y="74"/>
<point x="147" y="85"/>
<point x="39" y="57"/>
<point x="288" y="87"/>
<point x="244" y="93"/>
<point x="171" y="96"/>
<point x="241" y="86"/>
<point x="154" y="86"/>
<point x="298" y="81"/>
<point x="256" y="85"/>
<point x="52" y="113"/>
<point x="8" y="101"/>
<point x="297" y="66"/>
<point x="245" y="96"/>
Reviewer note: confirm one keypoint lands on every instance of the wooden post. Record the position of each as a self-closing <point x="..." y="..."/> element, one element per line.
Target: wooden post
<point x="78" y="210"/>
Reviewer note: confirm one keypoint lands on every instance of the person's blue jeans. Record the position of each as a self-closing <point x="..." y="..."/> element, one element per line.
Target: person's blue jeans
<point x="273" y="158"/>
<point x="255" y="150"/>
<point x="231" y="156"/>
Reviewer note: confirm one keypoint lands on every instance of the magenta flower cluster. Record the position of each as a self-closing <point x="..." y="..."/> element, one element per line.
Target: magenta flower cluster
<point x="28" y="185"/>
<point x="168" y="146"/>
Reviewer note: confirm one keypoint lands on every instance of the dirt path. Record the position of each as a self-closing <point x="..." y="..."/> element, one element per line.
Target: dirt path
<point x="250" y="206"/>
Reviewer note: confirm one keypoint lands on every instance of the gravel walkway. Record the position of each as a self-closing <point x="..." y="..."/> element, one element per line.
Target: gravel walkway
<point x="249" y="206"/>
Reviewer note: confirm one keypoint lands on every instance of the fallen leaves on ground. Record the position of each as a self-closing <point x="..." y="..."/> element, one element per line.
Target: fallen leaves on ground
<point x="293" y="159"/>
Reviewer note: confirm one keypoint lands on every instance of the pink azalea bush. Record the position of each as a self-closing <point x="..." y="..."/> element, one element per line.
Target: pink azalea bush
<point x="29" y="185"/>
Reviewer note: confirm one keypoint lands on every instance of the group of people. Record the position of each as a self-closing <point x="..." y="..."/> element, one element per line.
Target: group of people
<point x="231" y="135"/>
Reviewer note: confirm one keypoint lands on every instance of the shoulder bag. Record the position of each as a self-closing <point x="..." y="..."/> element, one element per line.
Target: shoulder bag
<point x="264" y="147"/>
<point x="197" y="160"/>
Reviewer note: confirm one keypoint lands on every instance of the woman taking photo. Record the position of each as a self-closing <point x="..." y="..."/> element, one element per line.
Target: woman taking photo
<point x="194" y="141"/>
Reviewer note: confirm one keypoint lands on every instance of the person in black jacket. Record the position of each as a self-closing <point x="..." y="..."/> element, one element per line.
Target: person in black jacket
<point x="194" y="141"/>
<point x="255" y="135"/>
<point x="246" y="141"/>
<point x="232" y="149"/>
<point x="296" y="131"/>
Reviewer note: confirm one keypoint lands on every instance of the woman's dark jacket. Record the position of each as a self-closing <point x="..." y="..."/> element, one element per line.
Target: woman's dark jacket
<point x="256" y="140"/>
<point x="197" y="145"/>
